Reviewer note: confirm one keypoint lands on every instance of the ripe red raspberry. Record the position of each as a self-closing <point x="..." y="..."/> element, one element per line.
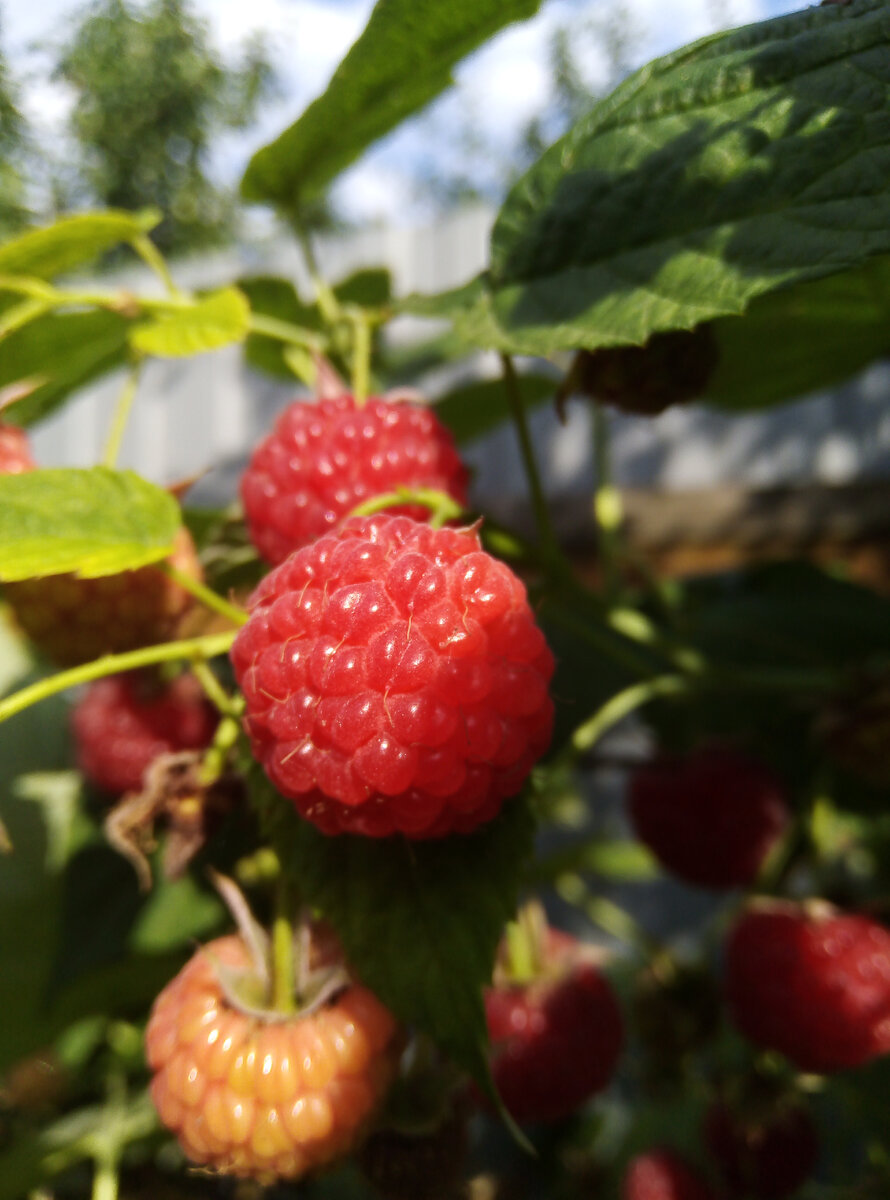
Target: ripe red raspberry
<point x="395" y="680"/>
<point x="256" y="1096"/>
<point x="711" y="818"/>
<point x="768" y="1158"/>
<point x="663" y="1175"/>
<point x="322" y="460"/>
<point x="123" y="722"/>
<point x="814" y="985"/>
<point x="75" y="620"/>
<point x="15" y="452"/>
<point x="557" y="1039"/>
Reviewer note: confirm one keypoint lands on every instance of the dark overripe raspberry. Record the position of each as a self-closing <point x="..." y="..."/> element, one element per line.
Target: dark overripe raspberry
<point x="123" y="722"/>
<point x="812" y="983"/>
<point x="15" y="452"/>
<point x="555" y="1040"/>
<point x="322" y="460"/>
<point x="257" y="1096"/>
<point x="75" y="620"/>
<point x="768" y="1157"/>
<point x="672" y="368"/>
<point x="395" y="680"/>
<point x="711" y="818"/>
<point x="663" y="1175"/>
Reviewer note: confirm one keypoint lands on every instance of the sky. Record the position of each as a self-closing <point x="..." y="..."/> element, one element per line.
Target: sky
<point x="497" y="89"/>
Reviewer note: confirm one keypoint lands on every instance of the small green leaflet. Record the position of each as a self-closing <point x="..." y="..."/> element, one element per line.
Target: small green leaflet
<point x="180" y="330"/>
<point x="401" y="61"/>
<point x="71" y="242"/>
<point x="420" y="921"/>
<point x="91" y="522"/>
<point x="477" y="407"/>
<point x="740" y="165"/>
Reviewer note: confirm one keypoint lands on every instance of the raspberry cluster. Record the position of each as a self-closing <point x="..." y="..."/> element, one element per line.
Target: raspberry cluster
<point x="661" y="1174"/>
<point x="123" y="722"/>
<point x="322" y="460"/>
<point x="260" y="1097"/>
<point x="15" y="451"/>
<point x="395" y="680"/>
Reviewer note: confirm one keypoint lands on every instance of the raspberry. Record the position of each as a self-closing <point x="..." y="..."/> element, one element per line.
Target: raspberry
<point x="555" y="1040"/>
<point x="395" y="680"/>
<point x="813" y="985"/>
<point x="123" y="722"/>
<point x="15" y="453"/>
<point x="260" y="1097"/>
<point x="711" y="817"/>
<point x="322" y="460"/>
<point x="767" y="1158"/>
<point x="663" y="1175"/>
<point x="75" y="620"/>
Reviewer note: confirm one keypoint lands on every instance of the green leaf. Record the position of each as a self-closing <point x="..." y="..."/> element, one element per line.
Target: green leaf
<point x="214" y="320"/>
<point x="477" y="407"/>
<point x="830" y="329"/>
<point x="421" y="921"/>
<point x="271" y="296"/>
<point x="747" y="162"/>
<point x="401" y="61"/>
<point x="92" y="522"/>
<point x="61" y="351"/>
<point x="71" y="242"/>
<point x="370" y="287"/>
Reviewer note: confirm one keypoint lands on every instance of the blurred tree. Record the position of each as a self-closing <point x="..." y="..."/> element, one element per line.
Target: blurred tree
<point x="151" y="98"/>
<point x="13" y="143"/>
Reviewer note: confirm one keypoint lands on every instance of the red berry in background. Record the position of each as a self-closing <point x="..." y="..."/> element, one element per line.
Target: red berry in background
<point x="74" y="620"/>
<point x="556" y="1040"/>
<point x="264" y="1097"/>
<point x="711" y="818"/>
<point x="322" y="460"/>
<point x="395" y="680"/>
<point x="811" y="983"/>
<point x="15" y="452"/>
<point x="768" y="1158"/>
<point x="123" y="722"/>
<point x="663" y="1175"/>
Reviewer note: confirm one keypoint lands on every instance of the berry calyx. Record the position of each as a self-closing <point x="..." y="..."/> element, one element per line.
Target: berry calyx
<point x="15" y="451"/>
<point x="395" y="680"/>
<point x="810" y="982"/>
<point x="711" y="818"/>
<point x="663" y="1175"/>
<point x="122" y="723"/>
<point x="768" y="1156"/>
<point x="323" y="460"/>
<point x="556" y="1039"/>
<point x="74" y="620"/>
<point x="258" y="1095"/>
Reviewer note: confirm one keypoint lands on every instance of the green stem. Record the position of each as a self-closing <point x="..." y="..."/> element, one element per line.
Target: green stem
<point x="284" y="331"/>
<point x="204" y="594"/>
<point x="192" y="649"/>
<point x="227" y="733"/>
<point x="213" y="689"/>
<point x="105" y="1179"/>
<point x="608" y="916"/>
<point x="121" y="414"/>
<point x="328" y="304"/>
<point x="361" y="359"/>
<point x="440" y="504"/>
<point x="623" y="704"/>
<point x="152" y="257"/>
<point x="607" y="507"/>
<point x="549" y="544"/>
<point x="283" y="998"/>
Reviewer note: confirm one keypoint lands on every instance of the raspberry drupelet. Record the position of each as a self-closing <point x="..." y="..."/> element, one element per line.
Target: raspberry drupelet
<point x="395" y="680"/>
<point x="264" y="1096"/>
<point x="322" y="460"/>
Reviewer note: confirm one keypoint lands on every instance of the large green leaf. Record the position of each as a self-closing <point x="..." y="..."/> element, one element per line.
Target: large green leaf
<point x="477" y="407"/>
<point x="60" y="352"/>
<point x="93" y="522"/>
<point x="71" y="242"/>
<point x="214" y="320"/>
<point x="745" y="163"/>
<point x="401" y="61"/>
<point x="420" y="921"/>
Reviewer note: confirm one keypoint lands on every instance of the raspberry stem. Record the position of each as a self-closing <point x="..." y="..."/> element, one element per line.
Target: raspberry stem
<point x="121" y="413"/>
<point x="189" y="650"/>
<point x="204" y="594"/>
<point x="442" y="507"/>
<point x="607" y="508"/>
<point x="152" y="257"/>
<point x="105" y="1179"/>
